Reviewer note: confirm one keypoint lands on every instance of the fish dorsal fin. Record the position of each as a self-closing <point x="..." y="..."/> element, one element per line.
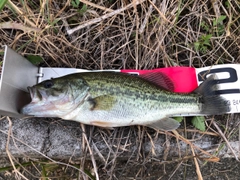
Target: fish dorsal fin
<point x="160" y="79"/>
<point x="104" y="102"/>
<point x="166" y="124"/>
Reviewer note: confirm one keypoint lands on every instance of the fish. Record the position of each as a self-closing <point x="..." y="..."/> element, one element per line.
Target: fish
<point x="111" y="99"/>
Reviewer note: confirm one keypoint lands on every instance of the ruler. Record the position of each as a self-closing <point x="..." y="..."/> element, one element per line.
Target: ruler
<point x="187" y="79"/>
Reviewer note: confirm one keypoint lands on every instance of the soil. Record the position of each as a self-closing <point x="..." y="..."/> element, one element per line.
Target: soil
<point x="226" y="169"/>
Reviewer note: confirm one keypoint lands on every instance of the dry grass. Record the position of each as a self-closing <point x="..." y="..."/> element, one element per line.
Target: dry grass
<point x="122" y="35"/>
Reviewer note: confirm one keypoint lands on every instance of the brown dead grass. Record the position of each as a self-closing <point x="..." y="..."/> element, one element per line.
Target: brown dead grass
<point x="136" y="35"/>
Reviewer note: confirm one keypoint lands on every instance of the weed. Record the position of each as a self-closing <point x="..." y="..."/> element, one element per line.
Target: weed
<point x="218" y="26"/>
<point x="217" y="29"/>
<point x="83" y="9"/>
<point x="199" y="122"/>
<point x="203" y="43"/>
<point x="75" y="3"/>
<point x="205" y="26"/>
<point x="2" y="4"/>
<point x="34" y="59"/>
<point x="179" y="119"/>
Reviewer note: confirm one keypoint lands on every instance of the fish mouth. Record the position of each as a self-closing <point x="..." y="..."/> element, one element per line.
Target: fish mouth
<point x="45" y="105"/>
<point x="39" y="106"/>
<point x="32" y="92"/>
<point x="37" y="94"/>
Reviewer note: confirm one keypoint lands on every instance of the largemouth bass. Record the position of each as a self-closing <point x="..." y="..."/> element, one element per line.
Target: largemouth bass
<point x="110" y="99"/>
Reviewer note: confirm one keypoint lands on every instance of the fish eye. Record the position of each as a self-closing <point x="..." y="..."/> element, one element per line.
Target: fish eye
<point x="48" y="84"/>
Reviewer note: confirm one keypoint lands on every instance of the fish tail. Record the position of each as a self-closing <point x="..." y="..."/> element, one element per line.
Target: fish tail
<point x="212" y="102"/>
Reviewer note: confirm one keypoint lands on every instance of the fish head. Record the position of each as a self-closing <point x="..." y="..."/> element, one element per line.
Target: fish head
<point x="56" y="97"/>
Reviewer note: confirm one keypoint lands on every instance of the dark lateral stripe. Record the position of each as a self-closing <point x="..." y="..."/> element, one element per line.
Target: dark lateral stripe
<point x="159" y="96"/>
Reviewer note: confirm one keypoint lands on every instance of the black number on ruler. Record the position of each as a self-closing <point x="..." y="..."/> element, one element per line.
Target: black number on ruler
<point x="233" y="78"/>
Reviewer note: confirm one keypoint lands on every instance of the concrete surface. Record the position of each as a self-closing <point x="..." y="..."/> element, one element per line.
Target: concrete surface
<point x="31" y="136"/>
<point x="63" y="139"/>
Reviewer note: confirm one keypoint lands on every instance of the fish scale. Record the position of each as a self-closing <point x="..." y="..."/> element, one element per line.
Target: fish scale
<point x="136" y="88"/>
<point x="110" y="99"/>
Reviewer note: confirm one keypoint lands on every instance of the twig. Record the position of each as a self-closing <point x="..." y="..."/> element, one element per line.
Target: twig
<point x="90" y="152"/>
<point x="175" y="170"/>
<point x="215" y="5"/>
<point x="160" y="13"/>
<point x="166" y="152"/>
<point x="177" y="135"/>
<point x="96" y="20"/>
<point x="19" y="26"/>
<point x="44" y="2"/>
<point x="198" y="131"/>
<point x="145" y="21"/>
<point x="193" y="153"/>
<point x="15" y="8"/>
<point x="7" y="149"/>
<point x="136" y="37"/>
<point x="225" y="139"/>
<point x="96" y="6"/>
<point x="99" y="153"/>
<point x="65" y="23"/>
<point x="225" y="50"/>
<point x="152" y="144"/>
<point x="199" y="174"/>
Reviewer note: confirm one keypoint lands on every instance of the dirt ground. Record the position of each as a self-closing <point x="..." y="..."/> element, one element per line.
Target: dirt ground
<point x="226" y="169"/>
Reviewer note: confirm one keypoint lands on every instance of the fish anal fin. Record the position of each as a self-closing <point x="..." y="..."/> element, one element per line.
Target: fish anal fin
<point x="160" y="79"/>
<point x="166" y="124"/>
<point x="104" y="102"/>
<point x="102" y="124"/>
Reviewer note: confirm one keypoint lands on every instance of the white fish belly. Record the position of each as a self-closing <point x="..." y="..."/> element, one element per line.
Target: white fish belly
<point x="126" y="115"/>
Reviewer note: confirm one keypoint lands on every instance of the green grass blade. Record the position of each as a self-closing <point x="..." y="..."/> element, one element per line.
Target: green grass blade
<point x="2" y="4"/>
<point x="9" y="168"/>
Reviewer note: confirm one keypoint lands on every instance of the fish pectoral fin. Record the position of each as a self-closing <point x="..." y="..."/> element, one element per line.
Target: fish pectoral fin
<point x="166" y="124"/>
<point x="104" y="102"/>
